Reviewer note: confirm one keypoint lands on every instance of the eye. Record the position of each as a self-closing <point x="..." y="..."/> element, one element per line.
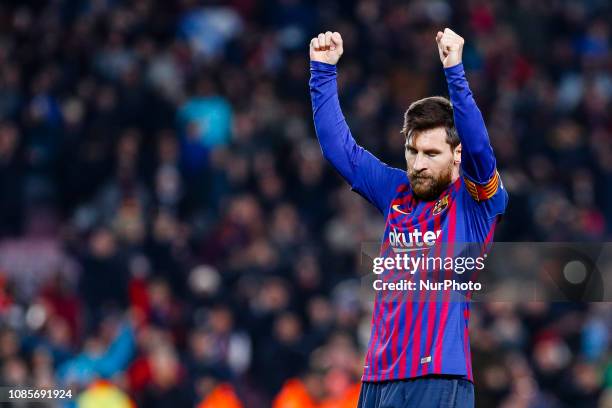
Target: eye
<point x="431" y="154"/>
<point x="411" y="150"/>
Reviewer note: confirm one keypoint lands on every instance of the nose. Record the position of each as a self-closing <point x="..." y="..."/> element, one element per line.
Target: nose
<point x="419" y="163"/>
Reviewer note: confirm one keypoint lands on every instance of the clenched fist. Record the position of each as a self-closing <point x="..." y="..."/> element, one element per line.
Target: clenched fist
<point x="326" y="48"/>
<point x="450" y="47"/>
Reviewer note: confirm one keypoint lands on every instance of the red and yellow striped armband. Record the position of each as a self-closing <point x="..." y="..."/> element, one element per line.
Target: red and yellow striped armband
<point x="481" y="192"/>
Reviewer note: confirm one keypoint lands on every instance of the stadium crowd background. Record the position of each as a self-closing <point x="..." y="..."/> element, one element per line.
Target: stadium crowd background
<point x="168" y="223"/>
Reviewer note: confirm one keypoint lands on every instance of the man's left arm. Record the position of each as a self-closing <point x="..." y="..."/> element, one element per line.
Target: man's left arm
<point x="477" y="158"/>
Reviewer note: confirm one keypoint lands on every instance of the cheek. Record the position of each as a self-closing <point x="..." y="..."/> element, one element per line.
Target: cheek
<point x="441" y="163"/>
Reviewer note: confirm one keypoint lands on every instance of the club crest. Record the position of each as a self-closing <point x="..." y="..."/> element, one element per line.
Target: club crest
<point x="440" y="205"/>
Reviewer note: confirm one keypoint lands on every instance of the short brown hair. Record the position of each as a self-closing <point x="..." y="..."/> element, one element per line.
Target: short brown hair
<point x="430" y="113"/>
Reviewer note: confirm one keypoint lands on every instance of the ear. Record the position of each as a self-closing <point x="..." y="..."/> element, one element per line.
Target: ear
<point x="457" y="154"/>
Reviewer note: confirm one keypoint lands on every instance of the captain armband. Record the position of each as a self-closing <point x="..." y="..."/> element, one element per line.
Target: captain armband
<point x="481" y="192"/>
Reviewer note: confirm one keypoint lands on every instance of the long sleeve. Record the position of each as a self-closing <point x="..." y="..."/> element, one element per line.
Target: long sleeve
<point x="366" y="174"/>
<point x="482" y="181"/>
<point x="477" y="159"/>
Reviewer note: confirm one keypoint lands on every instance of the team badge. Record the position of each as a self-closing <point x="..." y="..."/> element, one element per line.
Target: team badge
<point x="441" y="205"/>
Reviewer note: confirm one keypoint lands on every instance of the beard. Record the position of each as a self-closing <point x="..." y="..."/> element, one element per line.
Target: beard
<point x="429" y="187"/>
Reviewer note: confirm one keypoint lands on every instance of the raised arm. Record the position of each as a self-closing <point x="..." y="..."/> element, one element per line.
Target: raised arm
<point x="477" y="159"/>
<point x="365" y="173"/>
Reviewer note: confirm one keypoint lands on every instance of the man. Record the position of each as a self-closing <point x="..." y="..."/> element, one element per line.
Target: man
<point x="418" y="354"/>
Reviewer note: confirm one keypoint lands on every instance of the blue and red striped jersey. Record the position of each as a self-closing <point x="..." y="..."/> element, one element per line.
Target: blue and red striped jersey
<point x="427" y="331"/>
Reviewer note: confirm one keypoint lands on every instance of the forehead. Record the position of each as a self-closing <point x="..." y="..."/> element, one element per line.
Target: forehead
<point x="427" y="139"/>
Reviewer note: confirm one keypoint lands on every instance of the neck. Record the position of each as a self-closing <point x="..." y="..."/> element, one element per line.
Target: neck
<point x="455" y="174"/>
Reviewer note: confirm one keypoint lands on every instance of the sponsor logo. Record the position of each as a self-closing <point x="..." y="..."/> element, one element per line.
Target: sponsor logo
<point x="396" y="208"/>
<point x="414" y="240"/>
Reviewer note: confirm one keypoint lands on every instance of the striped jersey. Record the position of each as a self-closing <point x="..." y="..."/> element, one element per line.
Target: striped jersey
<point x="419" y="332"/>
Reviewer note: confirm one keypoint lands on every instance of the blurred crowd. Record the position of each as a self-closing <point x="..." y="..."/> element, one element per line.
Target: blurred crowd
<point x="171" y="236"/>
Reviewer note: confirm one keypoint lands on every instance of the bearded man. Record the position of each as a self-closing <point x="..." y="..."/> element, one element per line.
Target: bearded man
<point x="419" y="353"/>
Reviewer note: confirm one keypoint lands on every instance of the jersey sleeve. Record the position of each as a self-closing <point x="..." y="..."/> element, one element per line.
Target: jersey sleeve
<point x="478" y="166"/>
<point x="367" y="175"/>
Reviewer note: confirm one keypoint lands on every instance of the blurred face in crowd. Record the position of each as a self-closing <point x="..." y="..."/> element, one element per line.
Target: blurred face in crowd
<point x="287" y="328"/>
<point x="102" y="243"/>
<point x="432" y="164"/>
<point x="165" y="366"/>
<point x="8" y="141"/>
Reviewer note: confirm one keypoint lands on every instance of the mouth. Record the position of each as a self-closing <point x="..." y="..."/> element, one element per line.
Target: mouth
<point x="420" y="179"/>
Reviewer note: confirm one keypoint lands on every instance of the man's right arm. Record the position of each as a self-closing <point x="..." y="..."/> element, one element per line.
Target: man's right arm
<point x="365" y="173"/>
